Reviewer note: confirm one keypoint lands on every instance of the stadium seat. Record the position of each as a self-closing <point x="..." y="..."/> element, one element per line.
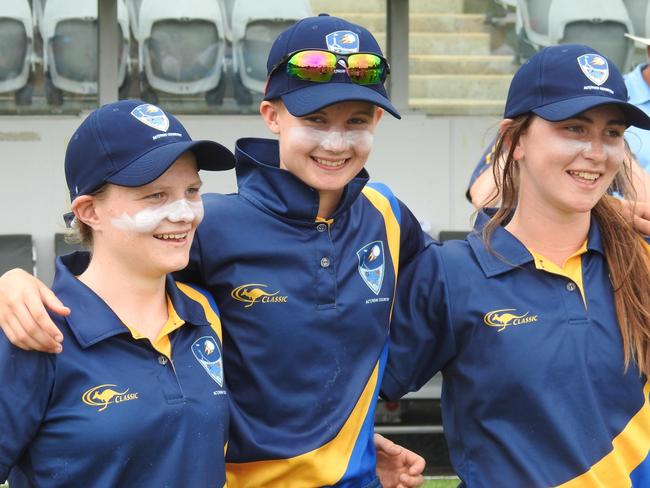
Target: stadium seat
<point x="16" y="39"/>
<point x="133" y="7"/>
<point x="639" y="13"/>
<point x="181" y="49"/>
<point x="448" y="235"/>
<point x="17" y="251"/>
<point x="255" y="25"/>
<point x="70" y="56"/>
<point x="61" y="247"/>
<point x="600" y="24"/>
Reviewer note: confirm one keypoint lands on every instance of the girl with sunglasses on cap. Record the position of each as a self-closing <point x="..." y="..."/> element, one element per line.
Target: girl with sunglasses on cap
<point x="137" y="398"/>
<point x="540" y="320"/>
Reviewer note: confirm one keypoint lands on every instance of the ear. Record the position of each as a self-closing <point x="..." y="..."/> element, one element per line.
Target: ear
<point x="503" y="127"/>
<point x="84" y="210"/>
<point x="379" y="113"/>
<point x="270" y="112"/>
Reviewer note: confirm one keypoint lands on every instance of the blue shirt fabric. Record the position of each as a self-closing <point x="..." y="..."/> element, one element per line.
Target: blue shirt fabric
<point x="110" y="410"/>
<point x="639" y="94"/>
<point x="306" y="306"/>
<point x="534" y="391"/>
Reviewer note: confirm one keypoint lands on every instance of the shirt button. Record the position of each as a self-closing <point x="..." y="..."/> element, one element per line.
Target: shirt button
<point x="325" y="262"/>
<point x="571" y="286"/>
<point x="162" y="360"/>
<point x="321" y="227"/>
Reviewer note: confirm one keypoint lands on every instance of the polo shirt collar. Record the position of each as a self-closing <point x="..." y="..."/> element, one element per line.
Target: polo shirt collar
<point x="637" y="88"/>
<point x="261" y="181"/>
<point x="507" y="251"/>
<point x="91" y="319"/>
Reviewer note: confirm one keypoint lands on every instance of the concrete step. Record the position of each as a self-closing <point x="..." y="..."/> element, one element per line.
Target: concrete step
<point x="474" y="43"/>
<point x="467" y="87"/>
<point x="458" y="106"/>
<point x="340" y="7"/>
<point x="440" y="64"/>
<point x="423" y="22"/>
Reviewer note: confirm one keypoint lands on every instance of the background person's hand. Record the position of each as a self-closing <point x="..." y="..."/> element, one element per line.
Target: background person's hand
<point x="23" y="315"/>
<point x="397" y="467"/>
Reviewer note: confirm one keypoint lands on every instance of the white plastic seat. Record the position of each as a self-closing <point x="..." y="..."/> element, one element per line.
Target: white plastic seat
<point x="70" y="47"/>
<point x="600" y="24"/>
<point x="17" y="251"/>
<point x="16" y="39"/>
<point x="181" y="47"/>
<point x="255" y="25"/>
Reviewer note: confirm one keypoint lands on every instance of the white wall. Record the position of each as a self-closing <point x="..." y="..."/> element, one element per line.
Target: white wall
<point x="427" y="162"/>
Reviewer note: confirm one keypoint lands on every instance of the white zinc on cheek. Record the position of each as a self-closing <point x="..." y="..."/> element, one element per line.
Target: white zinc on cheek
<point x="147" y="220"/>
<point x="335" y="141"/>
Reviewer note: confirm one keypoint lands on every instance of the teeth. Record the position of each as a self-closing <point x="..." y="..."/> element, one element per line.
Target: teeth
<point x="170" y="236"/>
<point x="331" y="164"/>
<point x="585" y="175"/>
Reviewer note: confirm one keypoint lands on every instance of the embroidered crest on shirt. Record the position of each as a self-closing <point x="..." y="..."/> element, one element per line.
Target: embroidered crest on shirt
<point x="371" y="265"/>
<point x="207" y="353"/>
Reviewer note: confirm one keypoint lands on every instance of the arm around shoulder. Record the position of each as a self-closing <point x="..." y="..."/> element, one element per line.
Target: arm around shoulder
<point x="421" y="335"/>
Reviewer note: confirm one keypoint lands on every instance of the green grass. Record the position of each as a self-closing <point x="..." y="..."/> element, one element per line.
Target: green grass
<point x="447" y="483"/>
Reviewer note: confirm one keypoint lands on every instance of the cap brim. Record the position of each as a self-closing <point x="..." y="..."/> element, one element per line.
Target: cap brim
<point x="565" y="109"/>
<point x="641" y="40"/>
<point x="210" y="156"/>
<point x="309" y="99"/>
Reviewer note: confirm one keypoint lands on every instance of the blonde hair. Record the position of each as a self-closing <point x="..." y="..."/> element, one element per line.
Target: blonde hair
<point x="80" y="232"/>
<point x="626" y="254"/>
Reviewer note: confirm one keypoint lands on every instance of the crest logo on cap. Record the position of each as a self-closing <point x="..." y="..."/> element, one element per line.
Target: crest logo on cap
<point x="207" y="353"/>
<point x="594" y="67"/>
<point x="343" y="42"/>
<point x="371" y="265"/>
<point x="152" y="116"/>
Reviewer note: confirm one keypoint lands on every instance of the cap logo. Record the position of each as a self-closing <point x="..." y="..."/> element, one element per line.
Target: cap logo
<point x="343" y="42"/>
<point x="594" y="67"/>
<point x="152" y="116"/>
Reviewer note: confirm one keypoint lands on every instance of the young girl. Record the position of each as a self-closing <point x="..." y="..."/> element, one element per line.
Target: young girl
<point x="138" y="396"/>
<point x="540" y="320"/>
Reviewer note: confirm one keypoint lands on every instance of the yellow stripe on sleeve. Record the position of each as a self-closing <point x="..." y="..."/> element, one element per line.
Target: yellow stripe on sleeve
<point x="212" y="317"/>
<point x="382" y="204"/>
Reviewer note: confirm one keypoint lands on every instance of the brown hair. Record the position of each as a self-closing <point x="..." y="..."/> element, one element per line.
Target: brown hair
<point x="626" y="254"/>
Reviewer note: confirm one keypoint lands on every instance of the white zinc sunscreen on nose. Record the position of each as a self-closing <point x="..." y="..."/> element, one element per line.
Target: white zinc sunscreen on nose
<point x="335" y="141"/>
<point x="147" y="220"/>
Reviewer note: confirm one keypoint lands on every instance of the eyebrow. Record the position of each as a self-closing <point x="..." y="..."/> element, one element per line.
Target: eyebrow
<point x="609" y="122"/>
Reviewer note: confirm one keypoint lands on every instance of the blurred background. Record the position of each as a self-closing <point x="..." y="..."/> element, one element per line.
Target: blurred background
<point x="205" y="61"/>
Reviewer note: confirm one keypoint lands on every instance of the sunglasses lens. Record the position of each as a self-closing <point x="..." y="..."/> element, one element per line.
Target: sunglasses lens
<point x="316" y="66"/>
<point x="366" y="69"/>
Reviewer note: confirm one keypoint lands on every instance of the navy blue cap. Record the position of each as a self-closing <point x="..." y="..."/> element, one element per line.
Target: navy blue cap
<point x="562" y="81"/>
<point x="131" y="143"/>
<point x="302" y="97"/>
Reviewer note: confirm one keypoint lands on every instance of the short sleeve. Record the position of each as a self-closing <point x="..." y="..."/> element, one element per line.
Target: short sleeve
<point x="27" y="378"/>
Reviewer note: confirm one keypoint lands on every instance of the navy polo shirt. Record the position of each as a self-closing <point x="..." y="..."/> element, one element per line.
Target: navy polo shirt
<point x="535" y="391"/>
<point x="110" y="410"/>
<point x="306" y="305"/>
